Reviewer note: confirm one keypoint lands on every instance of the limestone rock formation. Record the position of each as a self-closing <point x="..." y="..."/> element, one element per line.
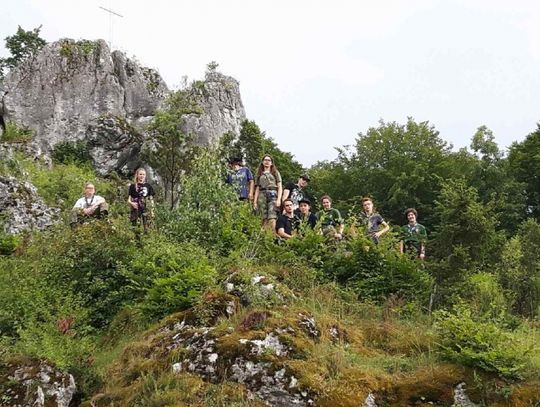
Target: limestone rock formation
<point x="35" y="383"/>
<point x="219" y="97"/>
<point x="80" y="90"/>
<point x="23" y="207"/>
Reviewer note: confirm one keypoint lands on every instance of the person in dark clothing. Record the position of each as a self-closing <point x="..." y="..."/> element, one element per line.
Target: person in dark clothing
<point x="295" y="192"/>
<point x="307" y="219"/>
<point x="287" y="222"/>
<point x="373" y="223"/>
<point x="413" y="236"/>
<point x="141" y="201"/>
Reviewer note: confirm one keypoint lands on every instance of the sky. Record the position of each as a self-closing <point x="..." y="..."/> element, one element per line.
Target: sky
<point x="314" y="74"/>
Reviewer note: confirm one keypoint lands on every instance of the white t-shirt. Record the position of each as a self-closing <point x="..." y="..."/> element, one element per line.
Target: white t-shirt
<point x="85" y="202"/>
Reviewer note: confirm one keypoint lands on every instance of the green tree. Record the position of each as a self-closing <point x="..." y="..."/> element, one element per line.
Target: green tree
<point x="22" y="45"/>
<point x="172" y="149"/>
<point x="519" y="269"/>
<point x="398" y="165"/>
<point x="463" y="220"/>
<point x="524" y="161"/>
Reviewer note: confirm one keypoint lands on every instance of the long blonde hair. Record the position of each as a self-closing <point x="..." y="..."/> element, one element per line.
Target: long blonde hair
<point x="137" y="173"/>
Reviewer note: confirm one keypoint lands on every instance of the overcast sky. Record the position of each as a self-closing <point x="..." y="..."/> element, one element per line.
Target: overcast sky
<point x="313" y="74"/>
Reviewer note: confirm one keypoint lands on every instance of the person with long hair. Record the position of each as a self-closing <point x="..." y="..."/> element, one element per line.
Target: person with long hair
<point x="268" y="192"/>
<point x="140" y="200"/>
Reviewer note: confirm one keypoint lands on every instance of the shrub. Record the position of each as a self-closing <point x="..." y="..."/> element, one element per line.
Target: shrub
<point x="16" y="134"/>
<point x="71" y="153"/>
<point x="87" y="262"/>
<point x="375" y="272"/>
<point x="169" y="277"/>
<point x="483" y="345"/>
<point x="63" y="184"/>
<point x="210" y="213"/>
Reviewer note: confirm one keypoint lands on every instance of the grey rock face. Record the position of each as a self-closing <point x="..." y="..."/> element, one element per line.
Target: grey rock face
<point x="460" y="397"/>
<point x="37" y="385"/>
<point x="24" y="208"/>
<point x="69" y="84"/>
<point x="219" y="97"/>
<point x="80" y="90"/>
<point x="268" y="381"/>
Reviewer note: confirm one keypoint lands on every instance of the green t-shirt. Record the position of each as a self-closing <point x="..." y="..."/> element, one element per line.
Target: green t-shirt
<point x="414" y="235"/>
<point x="330" y="217"/>
<point x="268" y="181"/>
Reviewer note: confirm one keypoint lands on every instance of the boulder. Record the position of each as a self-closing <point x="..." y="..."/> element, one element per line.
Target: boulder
<point x="35" y="383"/>
<point x="24" y="208"/>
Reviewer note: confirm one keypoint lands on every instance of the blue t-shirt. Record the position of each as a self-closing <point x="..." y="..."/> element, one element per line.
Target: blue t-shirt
<point x="240" y="180"/>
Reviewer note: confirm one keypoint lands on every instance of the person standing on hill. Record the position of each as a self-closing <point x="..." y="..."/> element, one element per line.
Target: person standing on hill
<point x="242" y="179"/>
<point x="89" y="206"/>
<point x="332" y="224"/>
<point x="413" y="236"/>
<point x="140" y="200"/>
<point x="268" y="191"/>
<point x="295" y="192"/>
<point x="373" y="223"/>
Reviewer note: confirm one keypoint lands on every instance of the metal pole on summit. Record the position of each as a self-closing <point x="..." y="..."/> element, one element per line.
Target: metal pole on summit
<point x="111" y="13"/>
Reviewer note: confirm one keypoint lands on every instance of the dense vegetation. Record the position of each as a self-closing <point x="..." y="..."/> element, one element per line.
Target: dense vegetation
<point x="83" y="298"/>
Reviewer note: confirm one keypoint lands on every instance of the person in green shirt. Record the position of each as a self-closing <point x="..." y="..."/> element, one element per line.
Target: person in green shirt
<point x="330" y="219"/>
<point x="268" y="191"/>
<point x="413" y="236"/>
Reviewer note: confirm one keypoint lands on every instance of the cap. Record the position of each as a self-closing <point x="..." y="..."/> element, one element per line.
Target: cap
<point x="305" y="200"/>
<point x="305" y="177"/>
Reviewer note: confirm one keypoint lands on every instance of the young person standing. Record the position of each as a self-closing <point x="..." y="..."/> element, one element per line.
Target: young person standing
<point x="242" y="179"/>
<point x="413" y="236"/>
<point x="140" y="200"/>
<point x="268" y="191"/>
<point x="295" y="192"/>
<point x="373" y="223"/>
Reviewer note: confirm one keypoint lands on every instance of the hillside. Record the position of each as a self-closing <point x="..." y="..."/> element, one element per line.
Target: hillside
<point x="206" y="308"/>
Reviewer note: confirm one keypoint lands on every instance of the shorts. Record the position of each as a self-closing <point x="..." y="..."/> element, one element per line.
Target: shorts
<point x="267" y="204"/>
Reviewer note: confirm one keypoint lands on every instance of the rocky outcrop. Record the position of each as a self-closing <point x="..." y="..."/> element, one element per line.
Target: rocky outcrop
<point x="23" y="207"/>
<point x="36" y="384"/>
<point x="223" y="111"/>
<point x="80" y="90"/>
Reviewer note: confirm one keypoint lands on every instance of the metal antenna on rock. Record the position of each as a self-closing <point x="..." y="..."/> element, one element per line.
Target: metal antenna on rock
<point x="111" y="14"/>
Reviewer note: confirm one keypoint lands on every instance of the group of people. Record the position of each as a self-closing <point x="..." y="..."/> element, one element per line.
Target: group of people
<point x="287" y="211"/>
<point x="140" y="201"/>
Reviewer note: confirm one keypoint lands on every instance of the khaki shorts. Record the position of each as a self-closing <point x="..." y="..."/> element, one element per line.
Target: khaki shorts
<point x="267" y="204"/>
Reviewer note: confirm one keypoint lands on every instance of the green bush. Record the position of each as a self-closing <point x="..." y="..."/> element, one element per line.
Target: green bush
<point x="71" y="153"/>
<point x="168" y="277"/>
<point x="376" y="272"/>
<point x="61" y="185"/>
<point x="87" y="262"/>
<point x="16" y="134"/>
<point x="8" y="243"/>
<point x="209" y="213"/>
<point x="485" y="296"/>
<point x="479" y="344"/>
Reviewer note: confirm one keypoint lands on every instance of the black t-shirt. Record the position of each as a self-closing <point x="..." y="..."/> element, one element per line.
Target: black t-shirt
<point x="286" y="223"/>
<point x="295" y="194"/>
<point x="139" y="192"/>
<point x="310" y="220"/>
